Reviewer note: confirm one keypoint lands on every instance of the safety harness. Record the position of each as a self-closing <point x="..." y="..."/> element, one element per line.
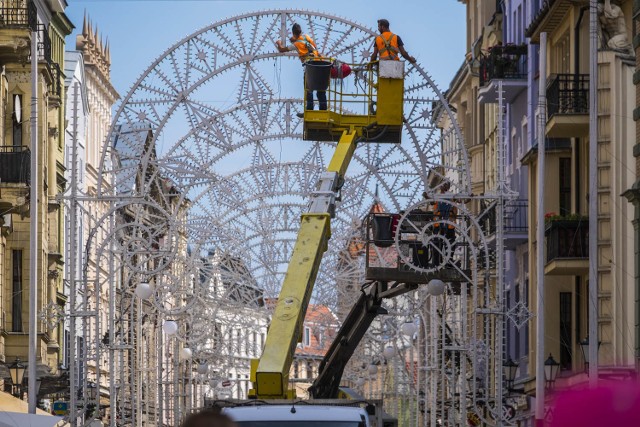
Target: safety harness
<point x="312" y="52"/>
<point x="392" y="51"/>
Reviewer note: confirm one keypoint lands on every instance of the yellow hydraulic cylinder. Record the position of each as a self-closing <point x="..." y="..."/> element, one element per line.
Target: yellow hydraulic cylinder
<point x="271" y="373"/>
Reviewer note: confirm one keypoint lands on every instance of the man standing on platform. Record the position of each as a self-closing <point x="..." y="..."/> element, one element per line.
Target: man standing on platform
<point x="307" y="51"/>
<point x="389" y="45"/>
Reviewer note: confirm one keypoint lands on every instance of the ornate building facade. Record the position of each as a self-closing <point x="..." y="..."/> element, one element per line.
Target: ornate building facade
<point x="48" y="20"/>
<point x="90" y="96"/>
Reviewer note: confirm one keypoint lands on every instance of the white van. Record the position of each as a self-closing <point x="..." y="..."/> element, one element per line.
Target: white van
<point x="298" y="415"/>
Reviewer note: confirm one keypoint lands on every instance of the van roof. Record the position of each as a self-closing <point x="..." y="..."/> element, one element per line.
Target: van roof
<point x="302" y="413"/>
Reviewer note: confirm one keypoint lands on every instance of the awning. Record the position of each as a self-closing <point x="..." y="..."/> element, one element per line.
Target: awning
<point x="14" y="413"/>
<point x="17" y="419"/>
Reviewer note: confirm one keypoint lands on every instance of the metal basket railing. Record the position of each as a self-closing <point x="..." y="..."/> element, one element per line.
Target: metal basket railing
<point x="362" y="98"/>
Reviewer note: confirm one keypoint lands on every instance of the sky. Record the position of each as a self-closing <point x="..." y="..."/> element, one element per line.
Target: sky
<point x="140" y="30"/>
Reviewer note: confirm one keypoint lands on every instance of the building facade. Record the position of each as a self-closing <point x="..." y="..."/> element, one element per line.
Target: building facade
<point x="633" y="193"/>
<point x="567" y="204"/>
<point x="502" y="69"/>
<point x="90" y="97"/>
<point x="48" y="20"/>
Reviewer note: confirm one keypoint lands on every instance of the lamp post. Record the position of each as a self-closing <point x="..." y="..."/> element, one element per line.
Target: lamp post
<point x="551" y="369"/>
<point x="584" y="347"/>
<point x="94" y="395"/>
<point x="509" y="369"/>
<point x="16" y="370"/>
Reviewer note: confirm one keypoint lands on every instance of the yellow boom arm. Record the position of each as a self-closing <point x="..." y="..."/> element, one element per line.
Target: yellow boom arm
<point x="270" y="374"/>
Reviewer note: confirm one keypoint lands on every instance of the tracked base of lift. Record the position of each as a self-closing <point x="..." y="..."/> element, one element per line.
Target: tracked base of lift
<point x="406" y="275"/>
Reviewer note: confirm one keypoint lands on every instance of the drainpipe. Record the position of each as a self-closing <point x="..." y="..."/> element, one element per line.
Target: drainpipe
<point x="593" y="194"/>
<point x="576" y="70"/>
<point x="540" y="319"/>
<point x="34" y="254"/>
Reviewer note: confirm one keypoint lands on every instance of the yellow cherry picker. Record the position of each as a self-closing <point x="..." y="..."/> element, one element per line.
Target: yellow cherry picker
<point x="374" y="116"/>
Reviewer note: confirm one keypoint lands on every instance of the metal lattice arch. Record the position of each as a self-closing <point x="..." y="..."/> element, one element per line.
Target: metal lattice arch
<point x="219" y="107"/>
<point x="204" y="176"/>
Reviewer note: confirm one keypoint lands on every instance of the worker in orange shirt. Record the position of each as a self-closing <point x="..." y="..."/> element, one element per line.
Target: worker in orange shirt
<point x="389" y="45"/>
<point x="307" y="51"/>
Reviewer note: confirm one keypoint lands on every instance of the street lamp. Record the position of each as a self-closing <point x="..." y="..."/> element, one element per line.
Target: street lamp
<point x="509" y="369"/>
<point x="409" y="329"/>
<point x="17" y="369"/>
<point x="584" y="347"/>
<point x="436" y="287"/>
<point x="93" y="392"/>
<point x="551" y="369"/>
<point x="388" y="352"/>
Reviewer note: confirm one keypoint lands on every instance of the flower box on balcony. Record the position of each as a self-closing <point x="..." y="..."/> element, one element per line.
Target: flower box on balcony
<point x="567" y="238"/>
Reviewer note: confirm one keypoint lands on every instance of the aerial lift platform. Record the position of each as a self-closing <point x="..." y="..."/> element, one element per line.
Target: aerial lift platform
<point x="374" y="115"/>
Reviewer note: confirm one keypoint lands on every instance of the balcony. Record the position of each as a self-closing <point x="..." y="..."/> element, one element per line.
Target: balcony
<point x="547" y="17"/>
<point x="505" y="64"/>
<point x="18" y="14"/>
<point x="17" y="19"/>
<point x="15" y="164"/>
<point x="568" y="106"/>
<point x="516" y="226"/>
<point x="567" y="243"/>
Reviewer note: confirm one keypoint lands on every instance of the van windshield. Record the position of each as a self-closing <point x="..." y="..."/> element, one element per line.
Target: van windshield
<point x="280" y="423"/>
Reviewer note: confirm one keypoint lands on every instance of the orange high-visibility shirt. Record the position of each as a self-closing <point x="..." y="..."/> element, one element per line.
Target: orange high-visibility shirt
<point x="306" y="48"/>
<point x="388" y="47"/>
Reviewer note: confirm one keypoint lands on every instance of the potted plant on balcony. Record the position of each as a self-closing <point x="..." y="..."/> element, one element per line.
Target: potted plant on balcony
<point x="555" y="218"/>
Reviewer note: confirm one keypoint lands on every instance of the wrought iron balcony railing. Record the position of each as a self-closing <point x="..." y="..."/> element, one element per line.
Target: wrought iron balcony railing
<point x="18" y="14"/>
<point x="15" y="164"/>
<point x="515" y="218"/>
<point x="44" y="44"/>
<point x="56" y="75"/>
<point x="568" y="94"/>
<point x="567" y="238"/>
<point x="504" y="62"/>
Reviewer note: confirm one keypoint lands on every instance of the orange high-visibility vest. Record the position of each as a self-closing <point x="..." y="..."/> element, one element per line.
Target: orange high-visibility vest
<point x="306" y="48"/>
<point x="452" y="215"/>
<point x="387" y="44"/>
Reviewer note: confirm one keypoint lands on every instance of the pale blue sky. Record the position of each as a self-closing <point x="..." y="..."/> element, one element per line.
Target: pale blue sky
<point x="140" y="30"/>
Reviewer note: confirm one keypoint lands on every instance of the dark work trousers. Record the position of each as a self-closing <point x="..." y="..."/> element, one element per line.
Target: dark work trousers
<point x="322" y="99"/>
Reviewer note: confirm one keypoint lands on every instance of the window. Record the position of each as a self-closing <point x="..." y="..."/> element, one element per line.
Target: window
<point x="565" y="185"/>
<point x="520" y="29"/>
<point x="565" y="330"/>
<point x="517" y="330"/>
<point x="296" y="370"/>
<point x="307" y="337"/>
<point x="508" y="327"/>
<point x="562" y="55"/>
<point x="66" y="348"/>
<point x="16" y="294"/>
<point x="309" y="370"/>
<point x="525" y="300"/>
<point x="17" y="120"/>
